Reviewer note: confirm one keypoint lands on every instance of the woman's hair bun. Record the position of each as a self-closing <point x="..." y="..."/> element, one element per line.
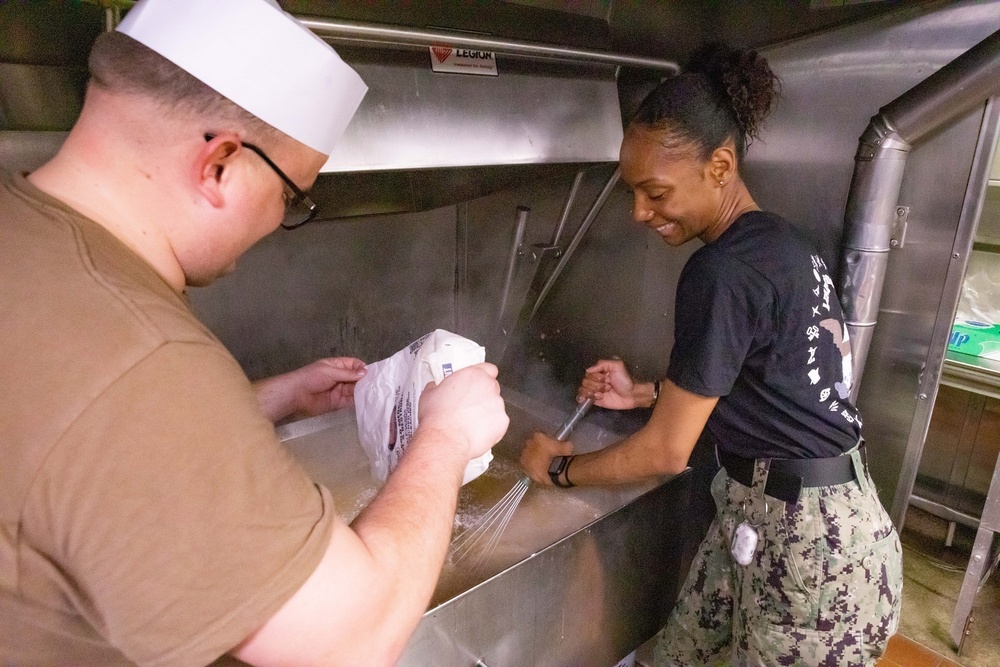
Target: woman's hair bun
<point x="743" y="80"/>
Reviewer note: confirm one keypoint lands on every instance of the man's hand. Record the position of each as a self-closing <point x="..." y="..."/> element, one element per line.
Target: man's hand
<point x="466" y="407"/>
<point x="538" y="453"/>
<point x="322" y="386"/>
<point x="608" y="382"/>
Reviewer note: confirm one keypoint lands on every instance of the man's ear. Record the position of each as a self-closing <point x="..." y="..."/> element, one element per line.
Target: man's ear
<point x="212" y="166"/>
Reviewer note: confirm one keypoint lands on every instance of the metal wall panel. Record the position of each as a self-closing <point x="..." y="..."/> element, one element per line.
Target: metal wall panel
<point x="364" y="287"/>
<point x="832" y="84"/>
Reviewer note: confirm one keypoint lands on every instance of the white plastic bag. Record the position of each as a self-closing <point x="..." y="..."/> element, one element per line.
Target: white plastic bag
<point x="387" y="397"/>
<point x="980" y="299"/>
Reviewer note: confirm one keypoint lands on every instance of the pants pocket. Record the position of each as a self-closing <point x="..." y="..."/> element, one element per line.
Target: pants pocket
<point x="826" y="587"/>
<point x="780" y="584"/>
<point x="863" y="590"/>
<point x="770" y="644"/>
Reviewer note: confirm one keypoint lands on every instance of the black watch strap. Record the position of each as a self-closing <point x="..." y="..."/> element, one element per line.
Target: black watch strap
<point x="557" y="468"/>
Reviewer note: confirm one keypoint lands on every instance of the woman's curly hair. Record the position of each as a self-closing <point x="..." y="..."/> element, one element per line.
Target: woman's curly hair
<point x="722" y="94"/>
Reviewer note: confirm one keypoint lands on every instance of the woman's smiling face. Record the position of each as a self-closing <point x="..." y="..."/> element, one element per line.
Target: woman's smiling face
<point x="673" y="190"/>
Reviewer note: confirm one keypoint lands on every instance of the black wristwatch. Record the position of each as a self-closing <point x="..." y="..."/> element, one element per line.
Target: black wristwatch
<point x="558" y="467"/>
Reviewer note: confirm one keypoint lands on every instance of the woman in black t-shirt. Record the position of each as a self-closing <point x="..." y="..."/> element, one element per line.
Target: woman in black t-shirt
<point x="801" y="564"/>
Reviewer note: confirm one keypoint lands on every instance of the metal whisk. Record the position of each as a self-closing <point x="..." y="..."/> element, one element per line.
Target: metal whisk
<point x="494" y="522"/>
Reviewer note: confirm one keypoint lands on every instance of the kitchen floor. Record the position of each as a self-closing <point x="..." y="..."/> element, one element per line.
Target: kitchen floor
<point x="933" y="576"/>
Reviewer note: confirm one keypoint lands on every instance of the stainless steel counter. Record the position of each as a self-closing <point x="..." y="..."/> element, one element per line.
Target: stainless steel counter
<point x="579" y="577"/>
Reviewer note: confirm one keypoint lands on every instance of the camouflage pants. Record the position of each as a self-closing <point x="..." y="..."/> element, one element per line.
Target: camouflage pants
<point x="824" y="586"/>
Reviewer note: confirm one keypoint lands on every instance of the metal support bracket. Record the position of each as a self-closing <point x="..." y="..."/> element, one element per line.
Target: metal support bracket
<point x="541" y="251"/>
<point x="897" y="235"/>
<point x="980" y="560"/>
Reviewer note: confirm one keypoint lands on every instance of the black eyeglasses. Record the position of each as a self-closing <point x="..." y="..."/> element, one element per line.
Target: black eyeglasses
<point x="299" y="209"/>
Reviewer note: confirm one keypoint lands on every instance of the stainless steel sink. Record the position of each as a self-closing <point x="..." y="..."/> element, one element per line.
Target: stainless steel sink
<point x="578" y="577"/>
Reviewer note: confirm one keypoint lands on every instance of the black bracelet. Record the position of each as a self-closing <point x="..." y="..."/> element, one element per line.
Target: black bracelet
<point x="559" y="465"/>
<point x="656" y="392"/>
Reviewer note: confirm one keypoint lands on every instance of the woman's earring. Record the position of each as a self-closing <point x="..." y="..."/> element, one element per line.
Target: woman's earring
<point x="722" y="182"/>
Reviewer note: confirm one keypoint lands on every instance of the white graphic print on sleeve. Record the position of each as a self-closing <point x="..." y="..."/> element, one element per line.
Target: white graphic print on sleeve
<point x="841" y="387"/>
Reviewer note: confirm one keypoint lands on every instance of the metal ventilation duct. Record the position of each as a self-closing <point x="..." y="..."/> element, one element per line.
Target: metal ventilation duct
<point x="880" y="162"/>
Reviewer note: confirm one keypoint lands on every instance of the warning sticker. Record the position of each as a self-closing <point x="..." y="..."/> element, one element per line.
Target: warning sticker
<point x="463" y="61"/>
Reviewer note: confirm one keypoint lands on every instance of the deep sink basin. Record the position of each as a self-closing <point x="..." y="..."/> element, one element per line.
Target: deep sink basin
<point x="579" y="576"/>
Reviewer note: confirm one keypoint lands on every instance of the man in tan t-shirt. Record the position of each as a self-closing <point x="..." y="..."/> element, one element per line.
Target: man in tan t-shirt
<point x="148" y="515"/>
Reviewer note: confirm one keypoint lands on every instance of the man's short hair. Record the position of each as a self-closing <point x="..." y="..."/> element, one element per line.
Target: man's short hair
<point x="121" y="64"/>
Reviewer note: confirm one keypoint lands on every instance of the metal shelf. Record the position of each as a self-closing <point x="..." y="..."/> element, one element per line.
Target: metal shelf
<point x="976" y="374"/>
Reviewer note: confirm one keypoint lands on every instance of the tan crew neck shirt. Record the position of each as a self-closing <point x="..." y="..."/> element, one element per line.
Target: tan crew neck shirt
<point x="148" y="514"/>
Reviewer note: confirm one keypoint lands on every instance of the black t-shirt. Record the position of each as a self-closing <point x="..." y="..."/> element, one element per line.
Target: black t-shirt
<point x="758" y="324"/>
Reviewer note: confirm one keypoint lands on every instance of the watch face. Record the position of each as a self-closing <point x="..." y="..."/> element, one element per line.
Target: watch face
<point x="557" y="465"/>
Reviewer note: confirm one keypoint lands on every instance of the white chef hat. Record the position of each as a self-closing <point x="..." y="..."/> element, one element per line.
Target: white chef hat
<point x="259" y="57"/>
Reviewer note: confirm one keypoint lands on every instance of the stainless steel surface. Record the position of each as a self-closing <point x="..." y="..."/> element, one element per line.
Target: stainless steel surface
<point x="674" y="28"/>
<point x="595" y="209"/>
<point x="523" y="268"/>
<point x="958" y="257"/>
<point x="979" y="560"/>
<point x="414" y="118"/>
<point x="516" y="251"/>
<point x="561" y="589"/>
<point x="570" y="200"/>
<point x="966" y="82"/>
<point x="362" y="287"/>
<point x="897" y="235"/>
<point x="952" y="91"/>
<point x="384" y="34"/>
<point x="490" y="226"/>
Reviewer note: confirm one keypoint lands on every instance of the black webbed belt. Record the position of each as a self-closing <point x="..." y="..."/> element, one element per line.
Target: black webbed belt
<point x="787" y="477"/>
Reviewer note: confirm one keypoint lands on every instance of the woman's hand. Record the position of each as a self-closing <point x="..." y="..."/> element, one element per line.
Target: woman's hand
<point x="538" y="453"/>
<point x="608" y="382"/>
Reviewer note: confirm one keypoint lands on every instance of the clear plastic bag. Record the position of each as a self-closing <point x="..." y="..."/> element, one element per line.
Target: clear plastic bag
<point x="387" y="398"/>
<point x="980" y="300"/>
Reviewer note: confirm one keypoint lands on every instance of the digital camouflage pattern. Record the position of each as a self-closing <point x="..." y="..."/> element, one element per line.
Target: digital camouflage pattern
<point x="824" y="586"/>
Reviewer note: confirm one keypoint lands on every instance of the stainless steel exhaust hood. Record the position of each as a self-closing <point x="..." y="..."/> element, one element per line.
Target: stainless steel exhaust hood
<point x="545" y="104"/>
<point x="422" y="138"/>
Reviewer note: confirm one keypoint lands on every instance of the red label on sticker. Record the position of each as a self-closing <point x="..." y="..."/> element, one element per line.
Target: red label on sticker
<point x="441" y="53"/>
